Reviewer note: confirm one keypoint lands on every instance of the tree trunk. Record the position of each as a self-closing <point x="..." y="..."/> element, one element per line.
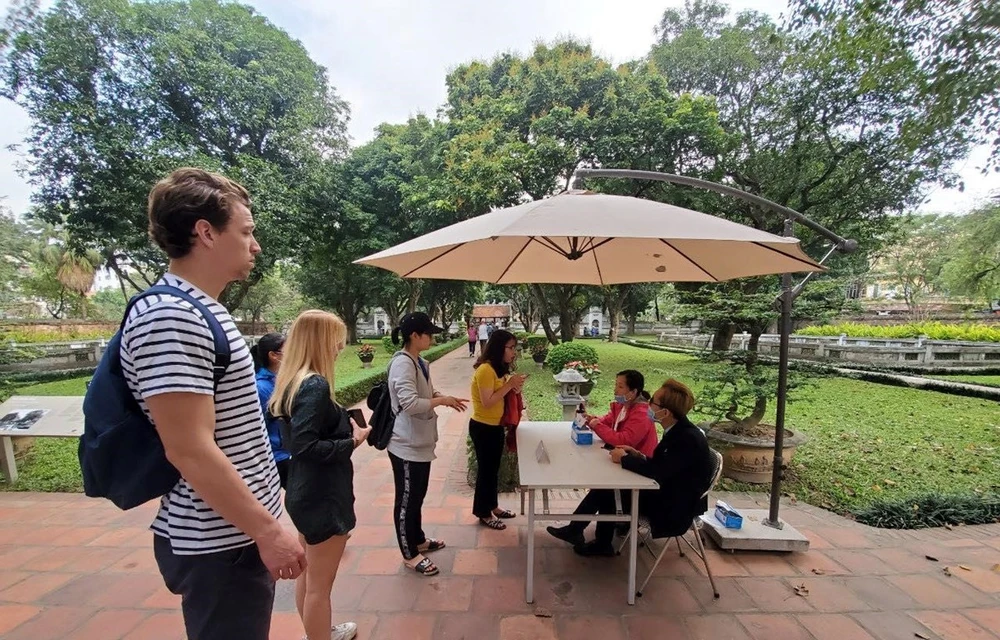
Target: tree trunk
<point x="631" y="325"/>
<point x="544" y="314"/>
<point x="723" y="337"/>
<point x="416" y="289"/>
<point x="83" y="306"/>
<point x="567" y="324"/>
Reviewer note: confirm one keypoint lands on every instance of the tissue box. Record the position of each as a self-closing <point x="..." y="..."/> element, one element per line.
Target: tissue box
<point x="729" y="517"/>
<point x="582" y="435"/>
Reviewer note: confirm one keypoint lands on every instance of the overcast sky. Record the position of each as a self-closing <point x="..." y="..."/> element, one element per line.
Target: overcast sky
<point x="389" y="59"/>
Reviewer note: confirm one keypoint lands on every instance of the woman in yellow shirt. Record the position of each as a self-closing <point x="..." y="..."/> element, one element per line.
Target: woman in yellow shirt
<point x="491" y="383"/>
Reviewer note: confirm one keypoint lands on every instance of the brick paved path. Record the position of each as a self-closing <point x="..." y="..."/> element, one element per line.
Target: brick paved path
<point x="71" y="567"/>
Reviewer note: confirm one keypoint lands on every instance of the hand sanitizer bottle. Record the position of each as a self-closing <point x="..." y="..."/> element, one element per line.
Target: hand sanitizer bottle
<point x="580" y="419"/>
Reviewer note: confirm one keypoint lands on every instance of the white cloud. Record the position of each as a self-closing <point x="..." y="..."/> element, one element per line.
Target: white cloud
<point x="389" y="58"/>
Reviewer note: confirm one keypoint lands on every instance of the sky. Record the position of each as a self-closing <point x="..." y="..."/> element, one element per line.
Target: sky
<point x="389" y="59"/>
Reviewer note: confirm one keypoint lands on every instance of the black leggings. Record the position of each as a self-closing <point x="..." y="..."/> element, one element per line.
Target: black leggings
<point x="488" y="441"/>
<point x="472" y="347"/>
<point x="411" y="479"/>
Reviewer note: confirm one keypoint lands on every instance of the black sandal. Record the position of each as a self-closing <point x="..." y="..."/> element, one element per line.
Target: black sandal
<point x="425" y="567"/>
<point x="432" y="545"/>
<point x="493" y="523"/>
<point x="504" y="513"/>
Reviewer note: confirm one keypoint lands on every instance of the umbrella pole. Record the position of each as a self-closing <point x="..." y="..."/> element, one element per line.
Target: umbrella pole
<point x="779" y="422"/>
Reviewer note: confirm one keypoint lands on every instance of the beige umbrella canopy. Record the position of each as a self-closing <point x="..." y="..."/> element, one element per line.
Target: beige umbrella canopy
<point x="583" y="237"/>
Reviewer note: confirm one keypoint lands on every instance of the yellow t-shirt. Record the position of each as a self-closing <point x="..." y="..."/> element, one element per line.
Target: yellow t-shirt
<point x="486" y="378"/>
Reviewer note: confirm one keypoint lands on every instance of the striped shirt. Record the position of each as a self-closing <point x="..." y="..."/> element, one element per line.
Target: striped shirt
<point x="167" y="347"/>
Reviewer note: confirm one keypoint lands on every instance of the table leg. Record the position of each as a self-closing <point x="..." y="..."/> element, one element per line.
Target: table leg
<point x="545" y="501"/>
<point x="633" y="544"/>
<point x="529" y="586"/>
<point x="7" y="459"/>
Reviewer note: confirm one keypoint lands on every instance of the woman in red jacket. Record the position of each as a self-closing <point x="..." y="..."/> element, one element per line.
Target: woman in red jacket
<point x="627" y="424"/>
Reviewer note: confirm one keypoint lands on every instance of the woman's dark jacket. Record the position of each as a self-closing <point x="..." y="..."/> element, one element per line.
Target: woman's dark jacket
<point x="682" y="465"/>
<point x="320" y="493"/>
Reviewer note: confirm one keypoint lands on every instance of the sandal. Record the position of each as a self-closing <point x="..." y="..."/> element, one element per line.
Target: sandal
<point x="432" y="545"/>
<point x="425" y="567"/>
<point x="504" y="513"/>
<point x="493" y="523"/>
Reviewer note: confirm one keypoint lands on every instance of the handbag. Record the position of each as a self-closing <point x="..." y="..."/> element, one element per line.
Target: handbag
<point x="513" y="405"/>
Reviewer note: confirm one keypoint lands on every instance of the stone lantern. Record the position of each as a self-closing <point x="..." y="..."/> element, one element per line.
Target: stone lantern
<point x="569" y="391"/>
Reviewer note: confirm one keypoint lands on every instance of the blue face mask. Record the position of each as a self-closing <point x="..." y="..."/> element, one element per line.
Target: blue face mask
<point x="620" y="399"/>
<point x="652" y="414"/>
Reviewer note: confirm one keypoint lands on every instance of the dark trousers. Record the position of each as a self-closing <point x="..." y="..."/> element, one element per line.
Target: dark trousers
<point x="472" y="347"/>
<point x="224" y="595"/>
<point x="411" y="479"/>
<point x="482" y="346"/>
<point x="602" y="501"/>
<point x="488" y="441"/>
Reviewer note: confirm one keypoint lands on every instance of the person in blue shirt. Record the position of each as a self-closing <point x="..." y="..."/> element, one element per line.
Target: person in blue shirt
<point x="266" y="360"/>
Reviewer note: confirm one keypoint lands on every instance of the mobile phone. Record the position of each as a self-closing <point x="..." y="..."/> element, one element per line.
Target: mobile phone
<point x="609" y="447"/>
<point x="358" y="417"/>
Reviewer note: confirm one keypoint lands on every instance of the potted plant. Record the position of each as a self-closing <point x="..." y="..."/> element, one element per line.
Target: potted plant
<point x="589" y="371"/>
<point x="366" y="353"/>
<point x="737" y="390"/>
<point x="539" y="352"/>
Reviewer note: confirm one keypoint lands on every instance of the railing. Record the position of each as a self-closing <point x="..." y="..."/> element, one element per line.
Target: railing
<point x="908" y="351"/>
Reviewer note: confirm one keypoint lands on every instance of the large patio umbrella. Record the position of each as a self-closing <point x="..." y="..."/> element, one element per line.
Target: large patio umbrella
<point x="581" y="237"/>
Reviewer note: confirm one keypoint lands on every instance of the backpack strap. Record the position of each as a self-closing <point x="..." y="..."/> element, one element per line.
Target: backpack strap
<point x="389" y="366"/>
<point x="223" y="353"/>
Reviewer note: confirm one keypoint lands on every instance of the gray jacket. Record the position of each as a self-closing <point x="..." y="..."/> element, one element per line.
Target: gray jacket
<point x="414" y="434"/>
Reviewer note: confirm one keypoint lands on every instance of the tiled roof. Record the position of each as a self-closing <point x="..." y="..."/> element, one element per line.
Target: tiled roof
<point x="491" y="311"/>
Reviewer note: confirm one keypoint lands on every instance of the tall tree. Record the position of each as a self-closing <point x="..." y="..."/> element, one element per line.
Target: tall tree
<point x="973" y="268"/>
<point x="817" y="126"/>
<point x="120" y="92"/>
<point x="914" y="257"/>
<point x="954" y="41"/>
<point x="521" y="126"/>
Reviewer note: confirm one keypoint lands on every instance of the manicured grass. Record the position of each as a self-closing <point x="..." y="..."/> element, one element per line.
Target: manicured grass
<point x="867" y="442"/>
<point x="989" y="381"/>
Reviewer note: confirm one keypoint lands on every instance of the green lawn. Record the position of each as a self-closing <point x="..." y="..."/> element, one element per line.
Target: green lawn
<point x="51" y="464"/>
<point x="867" y="442"/>
<point x="989" y="381"/>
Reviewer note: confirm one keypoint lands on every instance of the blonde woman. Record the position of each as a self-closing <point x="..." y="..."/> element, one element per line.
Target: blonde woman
<point x="319" y="497"/>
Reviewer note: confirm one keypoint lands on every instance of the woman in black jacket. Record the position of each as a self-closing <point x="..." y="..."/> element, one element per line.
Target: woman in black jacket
<point x="681" y="464"/>
<point x="320" y="492"/>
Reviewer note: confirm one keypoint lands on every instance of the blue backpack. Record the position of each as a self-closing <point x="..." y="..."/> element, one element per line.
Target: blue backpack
<point x="120" y="453"/>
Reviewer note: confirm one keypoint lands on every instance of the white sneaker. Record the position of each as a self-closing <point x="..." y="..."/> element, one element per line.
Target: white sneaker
<point x="344" y="631"/>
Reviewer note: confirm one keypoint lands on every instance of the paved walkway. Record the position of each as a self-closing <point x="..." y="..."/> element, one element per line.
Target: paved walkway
<point x="72" y="567"/>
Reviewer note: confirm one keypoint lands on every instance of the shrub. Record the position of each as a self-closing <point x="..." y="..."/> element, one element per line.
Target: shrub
<point x="358" y="390"/>
<point x="562" y="354"/>
<point x="931" y="510"/>
<point x="973" y="332"/>
<point x="537" y="343"/>
<point x="388" y="345"/>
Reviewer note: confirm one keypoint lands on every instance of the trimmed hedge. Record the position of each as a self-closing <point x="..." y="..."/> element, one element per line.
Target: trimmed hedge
<point x="973" y="332"/>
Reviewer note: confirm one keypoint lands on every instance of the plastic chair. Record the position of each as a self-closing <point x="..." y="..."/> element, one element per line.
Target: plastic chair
<point x="696" y="525"/>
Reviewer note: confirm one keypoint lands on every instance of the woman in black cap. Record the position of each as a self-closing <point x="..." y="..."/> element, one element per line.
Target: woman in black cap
<point x="414" y="436"/>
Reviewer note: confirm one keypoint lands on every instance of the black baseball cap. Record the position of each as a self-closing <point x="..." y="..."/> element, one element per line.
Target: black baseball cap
<point x="418" y="322"/>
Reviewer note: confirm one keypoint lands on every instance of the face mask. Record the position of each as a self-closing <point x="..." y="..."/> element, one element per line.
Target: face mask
<point x="621" y="399"/>
<point x="652" y="414"/>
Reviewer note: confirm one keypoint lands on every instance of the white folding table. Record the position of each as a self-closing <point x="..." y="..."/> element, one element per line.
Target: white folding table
<point x="548" y="459"/>
<point x="61" y="416"/>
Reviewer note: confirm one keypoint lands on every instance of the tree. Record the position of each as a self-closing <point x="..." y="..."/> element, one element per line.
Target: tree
<point x="121" y="92"/>
<point x="521" y="126"/>
<point x="914" y="258"/>
<point x="817" y="126"/>
<point x="275" y="300"/>
<point x="973" y="269"/>
<point x="955" y="42"/>
<point x="523" y="302"/>
<point x="449" y="300"/>
<point x="638" y="300"/>
<point x="61" y="276"/>
<point x="15" y="249"/>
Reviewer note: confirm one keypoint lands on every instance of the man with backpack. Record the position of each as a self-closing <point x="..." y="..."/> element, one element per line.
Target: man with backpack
<point x="217" y="539"/>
